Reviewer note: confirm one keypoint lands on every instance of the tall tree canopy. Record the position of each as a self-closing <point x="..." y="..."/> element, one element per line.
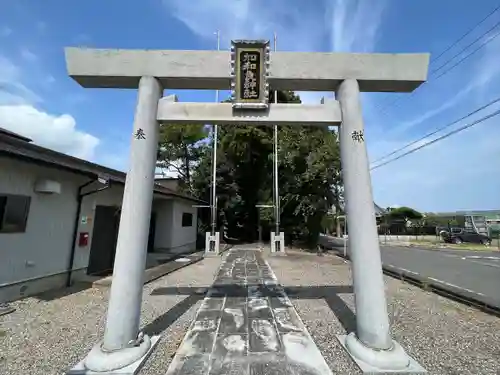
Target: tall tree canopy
<point x="180" y="149"/>
<point x="403" y="214"/>
<point x="308" y="172"/>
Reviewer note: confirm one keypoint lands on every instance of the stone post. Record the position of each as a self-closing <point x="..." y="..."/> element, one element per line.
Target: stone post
<point x="122" y="344"/>
<point x="212" y="244"/>
<point x="372" y="343"/>
<point x="278" y="243"/>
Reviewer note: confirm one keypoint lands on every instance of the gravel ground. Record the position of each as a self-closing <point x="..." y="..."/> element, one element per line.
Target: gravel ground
<point x="444" y="336"/>
<point x="50" y="335"/>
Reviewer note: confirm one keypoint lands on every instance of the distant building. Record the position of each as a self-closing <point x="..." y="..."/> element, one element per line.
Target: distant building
<point x="482" y="221"/>
<point x="379" y="211"/>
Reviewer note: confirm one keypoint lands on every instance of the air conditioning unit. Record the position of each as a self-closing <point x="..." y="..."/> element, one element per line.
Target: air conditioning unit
<point x="45" y="186"/>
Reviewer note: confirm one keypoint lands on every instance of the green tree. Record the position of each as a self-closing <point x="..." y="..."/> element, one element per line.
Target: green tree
<point x="309" y="166"/>
<point x="180" y="149"/>
<point x="404" y="214"/>
<point x="308" y="170"/>
<point x="434" y="220"/>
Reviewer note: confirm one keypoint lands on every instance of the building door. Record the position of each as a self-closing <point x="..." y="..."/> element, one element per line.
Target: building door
<point x="151" y="237"/>
<point x="103" y="245"/>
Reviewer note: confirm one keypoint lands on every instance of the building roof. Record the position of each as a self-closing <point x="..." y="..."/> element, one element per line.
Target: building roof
<point x="479" y="212"/>
<point x="378" y="210"/>
<point x="8" y="133"/>
<point x="19" y="147"/>
<point x="166" y="178"/>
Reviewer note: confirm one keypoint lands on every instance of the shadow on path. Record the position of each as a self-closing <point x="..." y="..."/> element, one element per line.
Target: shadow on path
<point x="330" y="293"/>
<point x="165" y="320"/>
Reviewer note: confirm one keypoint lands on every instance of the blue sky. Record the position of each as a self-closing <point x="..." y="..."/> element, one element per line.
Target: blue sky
<point x="39" y="100"/>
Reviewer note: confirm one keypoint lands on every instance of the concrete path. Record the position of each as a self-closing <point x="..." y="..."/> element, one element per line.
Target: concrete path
<point x="247" y="325"/>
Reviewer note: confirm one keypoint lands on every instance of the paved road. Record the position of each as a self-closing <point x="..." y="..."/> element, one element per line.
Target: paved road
<point x="471" y="272"/>
<point x="475" y="273"/>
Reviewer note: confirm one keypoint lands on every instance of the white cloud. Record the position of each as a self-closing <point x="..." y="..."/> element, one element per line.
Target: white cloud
<point x="82" y="39"/>
<point x="117" y="160"/>
<point x="41" y="26"/>
<point x="482" y="77"/>
<point x="354" y="24"/>
<point x="27" y="55"/>
<point x="8" y="71"/>
<point x="19" y="114"/>
<point x="49" y="79"/>
<point x="5" y="31"/>
<point x="55" y="132"/>
<point x="456" y="173"/>
<point x="12" y="89"/>
<point x="117" y="157"/>
<point x="430" y="179"/>
<point x="487" y="70"/>
<point x="297" y="27"/>
<point x="450" y="103"/>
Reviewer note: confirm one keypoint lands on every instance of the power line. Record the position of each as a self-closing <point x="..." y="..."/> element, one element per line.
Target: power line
<point x="466" y="34"/>
<point x="468" y="45"/>
<point x="434" y="79"/>
<point x="384" y="108"/>
<point x="439" y="129"/>
<point x="469" y="55"/>
<point x="439" y="139"/>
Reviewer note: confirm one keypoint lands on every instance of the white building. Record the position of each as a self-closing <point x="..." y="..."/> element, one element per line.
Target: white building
<point x="59" y="218"/>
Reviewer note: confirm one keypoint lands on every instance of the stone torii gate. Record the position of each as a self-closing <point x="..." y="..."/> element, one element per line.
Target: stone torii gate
<point x="124" y="348"/>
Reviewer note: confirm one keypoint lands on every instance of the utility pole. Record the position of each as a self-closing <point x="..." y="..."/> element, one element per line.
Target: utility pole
<point x="214" y="159"/>
<point x="275" y="167"/>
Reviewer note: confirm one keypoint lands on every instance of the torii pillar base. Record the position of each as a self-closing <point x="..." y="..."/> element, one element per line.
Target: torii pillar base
<point x="109" y="363"/>
<point x="371" y="361"/>
<point x="212" y="244"/>
<point x="278" y="244"/>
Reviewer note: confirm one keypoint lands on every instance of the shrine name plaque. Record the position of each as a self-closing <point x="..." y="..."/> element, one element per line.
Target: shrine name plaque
<point x="249" y="71"/>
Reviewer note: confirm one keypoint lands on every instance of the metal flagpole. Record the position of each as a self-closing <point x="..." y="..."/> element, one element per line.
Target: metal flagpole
<point x="276" y="191"/>
<point x="214" y="158"/>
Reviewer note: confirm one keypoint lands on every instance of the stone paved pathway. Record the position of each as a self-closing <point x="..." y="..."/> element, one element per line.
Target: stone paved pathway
<point x="247" y="325"/>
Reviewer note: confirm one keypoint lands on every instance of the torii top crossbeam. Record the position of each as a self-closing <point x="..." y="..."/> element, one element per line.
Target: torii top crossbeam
<point x="297" y="71"/>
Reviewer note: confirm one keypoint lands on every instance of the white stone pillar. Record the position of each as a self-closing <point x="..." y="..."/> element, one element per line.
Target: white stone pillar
<point x="372" y="342"/>
<point x="278" y="243"/>
<point x="121" y="344"/>
<point x="212" y="244"/>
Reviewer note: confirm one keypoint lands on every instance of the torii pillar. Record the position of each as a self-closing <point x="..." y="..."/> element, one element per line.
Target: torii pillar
<point x="124" y="349"/>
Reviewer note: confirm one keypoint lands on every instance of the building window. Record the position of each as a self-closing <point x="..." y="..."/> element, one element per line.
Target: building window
<point x="14" y="213"/>
<point x="187" y="219"/>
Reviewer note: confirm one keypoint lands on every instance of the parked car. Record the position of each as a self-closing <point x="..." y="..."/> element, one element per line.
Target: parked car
<point x="465" y="235"/>
<point x="444" y="230"/>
